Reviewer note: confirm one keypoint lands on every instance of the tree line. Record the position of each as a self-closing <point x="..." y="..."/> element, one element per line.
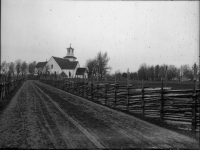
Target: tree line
<point x="18" y="68"/>
<point x="158" y="72"/>
<point x="98" y="67"/>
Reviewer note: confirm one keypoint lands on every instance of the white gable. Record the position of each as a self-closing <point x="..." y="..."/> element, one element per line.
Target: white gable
<point x="56" y="68"/>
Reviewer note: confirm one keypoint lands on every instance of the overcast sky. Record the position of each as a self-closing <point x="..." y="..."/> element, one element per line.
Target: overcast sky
<point x="132" y="33"/>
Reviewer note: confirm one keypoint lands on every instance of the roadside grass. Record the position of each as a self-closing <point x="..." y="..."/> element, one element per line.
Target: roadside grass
<point x="5" y="102"/>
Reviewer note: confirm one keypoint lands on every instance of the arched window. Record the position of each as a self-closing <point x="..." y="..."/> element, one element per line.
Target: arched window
<point x="69" y="74"/>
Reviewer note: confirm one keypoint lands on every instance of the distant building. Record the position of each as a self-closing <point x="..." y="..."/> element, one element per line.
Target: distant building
<point x="185" y="79"/>
<point x="175" y="79"/>
<point x="62" y="65"/>
<point x="65" y="67"/>
<point x="81" y="73"/>
<point x="40" y="67"/>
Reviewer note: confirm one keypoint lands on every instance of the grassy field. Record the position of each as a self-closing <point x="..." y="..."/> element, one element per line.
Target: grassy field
<point x="155" y="84"/>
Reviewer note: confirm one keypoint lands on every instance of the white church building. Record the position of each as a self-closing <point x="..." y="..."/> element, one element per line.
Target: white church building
<point x="65" y="67"/>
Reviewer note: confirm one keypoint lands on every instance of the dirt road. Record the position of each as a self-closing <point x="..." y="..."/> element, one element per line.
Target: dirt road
<point x="40" y="116"/>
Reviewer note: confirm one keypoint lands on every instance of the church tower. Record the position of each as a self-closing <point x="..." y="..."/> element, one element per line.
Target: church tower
<point x="70" y="54"/>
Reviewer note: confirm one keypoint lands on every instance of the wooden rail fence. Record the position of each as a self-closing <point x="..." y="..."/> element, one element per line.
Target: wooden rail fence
<point x="6" y="87"/>
<point x="176" y="107"/>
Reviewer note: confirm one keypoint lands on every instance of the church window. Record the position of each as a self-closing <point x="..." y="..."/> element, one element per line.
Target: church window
<point x="51" y="66"/>
<point x="69" y="74"/>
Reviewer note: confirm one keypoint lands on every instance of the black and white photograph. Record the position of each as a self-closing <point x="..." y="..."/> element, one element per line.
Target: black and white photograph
<point x="99" y="74"/>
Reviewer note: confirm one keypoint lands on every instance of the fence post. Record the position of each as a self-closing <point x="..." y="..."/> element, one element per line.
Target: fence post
<point x="69" y="86"/>
<point x="4" y="90"/>
<point x="54" y="83"/>
<point x="143" y="102"/>
<point x="13" y="82"/>
<point x="97" y="93"/>
<point x="83" y="88"/>
<point x="63" y="84"/>
<point x="115" y="94"/>
<point x="76" y="86"/>
<point x="87" y="89"/>
<point x="106" y="94"/>
<point x="9" y="86"/>
<point x="69" y="83"/>
<point x="1" y="89"/>
<point x="6" y="87"/>
<point x="79" y="86"/>
<point x="194" y="109"/>
<point x="91" y="91"/>
<point x="127" y="102"/>
<point x="161" y="102"/>
<point x="73" y="86"/>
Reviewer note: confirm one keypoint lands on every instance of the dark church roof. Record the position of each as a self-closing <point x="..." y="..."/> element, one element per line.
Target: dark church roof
<point x="80" y="71"/>
<point x="40" y="64"/>
<point x="63" y="74"/>
<point x="65" y="63"/>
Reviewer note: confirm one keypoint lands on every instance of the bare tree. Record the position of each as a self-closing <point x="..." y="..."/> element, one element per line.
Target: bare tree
<point x="186" y="72"/>
<point x="24" y="68"/>
<point x="4" y="67"/>
<point x="142" y="72"/>
<point x="102" y="64"/>
<point x="34" y="64"/>
<point x="124" y="75"/>
<point x="98" y="66"/>
<point x="91" y="67"/>
<point x="172" y="72"/>
<point x="162" y="70"/>
<point x="157" y="68"/>
<point x="31" y="67"/>
<point x="150" y="73"/>
<point x="134" y="75"/>
<point x="12" y="68"/>
<point x="18" y="66"/>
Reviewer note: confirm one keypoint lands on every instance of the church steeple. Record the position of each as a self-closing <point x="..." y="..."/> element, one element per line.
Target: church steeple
<point x="70" y="54"/>
<point x="70" y="51"/>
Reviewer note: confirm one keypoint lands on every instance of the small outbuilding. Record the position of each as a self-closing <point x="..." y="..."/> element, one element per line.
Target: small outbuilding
<point x="81" y="73"/>
<point x="40" y="67"/>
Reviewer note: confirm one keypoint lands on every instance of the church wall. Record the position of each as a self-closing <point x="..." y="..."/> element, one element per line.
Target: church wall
<point x="73" y="72"/>
<point x="56" y="67"/>
<point x="66" y="71"/>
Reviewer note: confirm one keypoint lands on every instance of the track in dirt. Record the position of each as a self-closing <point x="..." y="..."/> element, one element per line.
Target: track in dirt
<point x="41" y="116"/>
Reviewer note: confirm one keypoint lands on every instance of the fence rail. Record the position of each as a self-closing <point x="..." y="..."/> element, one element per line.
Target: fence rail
<point x="176" y="107"/>
<point x="6" y="87"/>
